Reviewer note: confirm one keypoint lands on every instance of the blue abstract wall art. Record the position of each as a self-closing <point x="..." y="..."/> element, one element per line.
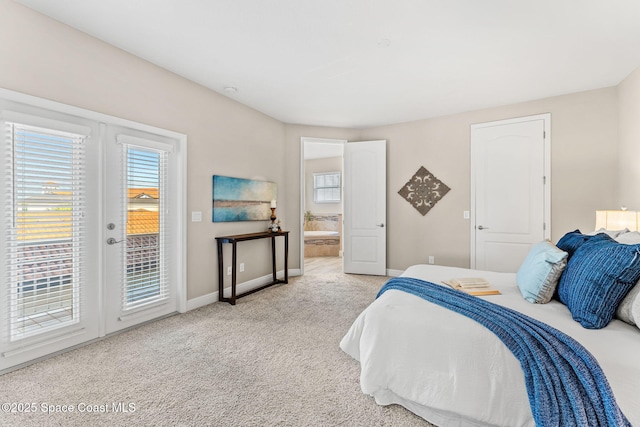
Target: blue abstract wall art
<point x="239" y="199"/>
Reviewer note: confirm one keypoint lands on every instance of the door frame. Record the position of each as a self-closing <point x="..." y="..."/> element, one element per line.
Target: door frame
<point x="303" y="141"/>
<point x="546" y="118"/>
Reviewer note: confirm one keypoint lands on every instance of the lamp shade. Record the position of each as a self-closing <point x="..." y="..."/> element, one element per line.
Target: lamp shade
<point x="617" y="220"/>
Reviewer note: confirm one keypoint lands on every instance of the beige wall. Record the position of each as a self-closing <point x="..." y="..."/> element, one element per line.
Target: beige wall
<point x="583" y="172"/>
<point x="329" y="164"/>
<point x="584" y="161"/>
<point x="53" y="61"/>
<point x="629" y="155"/>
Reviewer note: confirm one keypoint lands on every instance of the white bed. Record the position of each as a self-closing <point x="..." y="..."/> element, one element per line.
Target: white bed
<point x="452" y="371"/>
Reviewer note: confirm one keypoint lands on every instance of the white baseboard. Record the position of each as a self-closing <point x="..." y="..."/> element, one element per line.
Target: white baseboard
<point x="201" y="301"/>
<point x="207" y="299"/>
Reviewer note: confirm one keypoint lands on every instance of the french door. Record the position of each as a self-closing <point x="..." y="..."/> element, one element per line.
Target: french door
<point x="91" y="241"/>
<point x="138" y="225"/>
<point x="50" y="292"/>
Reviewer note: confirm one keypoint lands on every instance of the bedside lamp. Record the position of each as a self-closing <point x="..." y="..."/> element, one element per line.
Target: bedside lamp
<point x="617" y="220"/>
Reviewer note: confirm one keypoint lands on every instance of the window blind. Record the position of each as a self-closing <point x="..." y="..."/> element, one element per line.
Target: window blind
<point x="45" y="205"/>
<point x="145" y="257"/>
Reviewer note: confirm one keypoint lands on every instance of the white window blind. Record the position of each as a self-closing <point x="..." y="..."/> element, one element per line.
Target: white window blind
<point x="326" y="187"/>
<point x="145" y="259"/>
<point x="45" y="205"/>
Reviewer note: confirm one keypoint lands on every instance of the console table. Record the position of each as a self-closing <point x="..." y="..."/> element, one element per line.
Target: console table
<point x="243" y="238"/>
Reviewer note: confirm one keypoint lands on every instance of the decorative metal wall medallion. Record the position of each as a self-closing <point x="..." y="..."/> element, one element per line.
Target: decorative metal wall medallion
<point x="423" y="190"/>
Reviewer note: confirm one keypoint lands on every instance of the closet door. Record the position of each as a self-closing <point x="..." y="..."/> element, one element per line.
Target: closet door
<point x="510" y="190"/>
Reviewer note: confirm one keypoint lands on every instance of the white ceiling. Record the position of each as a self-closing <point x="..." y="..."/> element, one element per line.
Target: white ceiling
<point x="363" y="63"/>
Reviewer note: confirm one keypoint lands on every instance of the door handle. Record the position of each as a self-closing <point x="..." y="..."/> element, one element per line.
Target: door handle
<point x="482" y="228"/>
<point x="380" y="225"/>
<point x="112" y="241"/>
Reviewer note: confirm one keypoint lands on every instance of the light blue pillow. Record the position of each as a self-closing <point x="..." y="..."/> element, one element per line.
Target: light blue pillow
<point x="538" y="275"/>
<point x="598" y="277"/>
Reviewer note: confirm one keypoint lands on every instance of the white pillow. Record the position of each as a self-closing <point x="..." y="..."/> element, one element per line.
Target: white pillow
<point x="629" y="309"/>
<point x="630" y="238"/>
<point x="611" y="233"/>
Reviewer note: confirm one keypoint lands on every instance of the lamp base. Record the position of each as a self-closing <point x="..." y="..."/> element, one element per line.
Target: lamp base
<point x="273" y="227"/>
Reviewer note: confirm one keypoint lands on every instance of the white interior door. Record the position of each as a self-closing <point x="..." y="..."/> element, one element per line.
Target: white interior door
<point x="365" y="202"/>
<point x="139" y="275"/>
<point x="510" y="180"/>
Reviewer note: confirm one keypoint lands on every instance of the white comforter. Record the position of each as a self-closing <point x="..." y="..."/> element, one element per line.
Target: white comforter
<point x="452" y="371"/>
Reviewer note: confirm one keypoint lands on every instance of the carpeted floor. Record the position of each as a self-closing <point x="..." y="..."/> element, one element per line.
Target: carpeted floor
<point x="272" y="360"/>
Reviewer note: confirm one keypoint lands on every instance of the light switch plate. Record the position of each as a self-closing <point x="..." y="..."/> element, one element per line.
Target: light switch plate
<point x="196" y="216"/>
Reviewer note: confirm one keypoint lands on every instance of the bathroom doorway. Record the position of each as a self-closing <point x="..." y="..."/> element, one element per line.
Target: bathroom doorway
<point x="321" y="205"/>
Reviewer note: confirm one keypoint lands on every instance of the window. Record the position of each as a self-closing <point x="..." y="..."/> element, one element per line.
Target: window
<point x="146" y="275"/>
<point x="45" y="214"/>
<point x="326" y="187"/>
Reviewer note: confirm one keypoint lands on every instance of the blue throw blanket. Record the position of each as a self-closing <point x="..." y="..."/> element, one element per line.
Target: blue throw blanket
<point x="565" y="384"/>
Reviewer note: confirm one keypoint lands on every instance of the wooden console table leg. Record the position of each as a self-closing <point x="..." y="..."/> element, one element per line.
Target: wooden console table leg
<point x="233" y="273"/>
<point x="273" y="259"/>
<point x="220" y="273"/>
<point x="286" y="258"/>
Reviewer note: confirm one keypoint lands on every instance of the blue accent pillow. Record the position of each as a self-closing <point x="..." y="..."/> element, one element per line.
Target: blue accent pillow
<point x="538" y="275"/>
<point x="598" y="276"/>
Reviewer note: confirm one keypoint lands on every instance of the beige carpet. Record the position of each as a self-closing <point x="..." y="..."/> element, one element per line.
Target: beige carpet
<point x="272" y="360"/>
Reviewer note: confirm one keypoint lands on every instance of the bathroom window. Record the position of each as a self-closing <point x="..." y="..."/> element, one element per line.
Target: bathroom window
<point x="326" y="187"/>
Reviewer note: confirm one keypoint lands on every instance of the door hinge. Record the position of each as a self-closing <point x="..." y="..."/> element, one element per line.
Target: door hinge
<point x="544" y="180"/>
<point x="544" y="226"/>
<point x="544" y="134"/>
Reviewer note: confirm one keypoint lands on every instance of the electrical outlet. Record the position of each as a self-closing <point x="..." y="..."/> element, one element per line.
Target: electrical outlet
<point x="241" y="266"/>
<point x="229" y="271"/>
<point x="432" y="259"/>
